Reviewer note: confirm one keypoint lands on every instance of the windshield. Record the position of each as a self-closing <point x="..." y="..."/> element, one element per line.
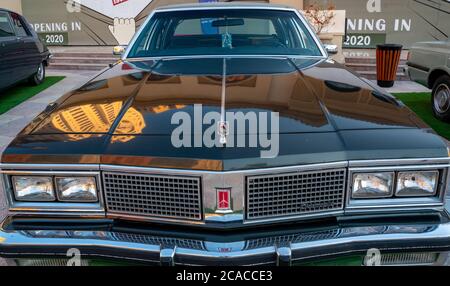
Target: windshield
<point x="224" y="32"/>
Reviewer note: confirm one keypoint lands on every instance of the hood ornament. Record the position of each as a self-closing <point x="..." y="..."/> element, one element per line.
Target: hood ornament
<point x="223" y="131"/>
<point x="223" y="125"/>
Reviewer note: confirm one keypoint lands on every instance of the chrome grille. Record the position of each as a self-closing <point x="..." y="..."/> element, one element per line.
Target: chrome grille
<point x="295" y="194"/>
<point x="50" y="262"/>
<point x="157" y="240"/>
<point x="153" y="195"/>
<point x="409" y="258"/>
<point x="293" y="238"/>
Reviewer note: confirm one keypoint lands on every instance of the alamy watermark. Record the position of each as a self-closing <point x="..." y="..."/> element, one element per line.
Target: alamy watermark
<point x="74" y="255"/>
<point x="229" y="130"/>
<point x="373" y="257"/>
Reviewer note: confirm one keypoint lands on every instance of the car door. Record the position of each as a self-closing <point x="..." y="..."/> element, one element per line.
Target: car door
<point x="30" y="56"/>
<point x="10" y="53"/>
<point x="448" y="53"/>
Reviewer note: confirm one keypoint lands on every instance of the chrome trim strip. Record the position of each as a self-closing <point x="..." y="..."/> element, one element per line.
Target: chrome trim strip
<point x="295" y="217"/>
<point x="400" y="168"/>
<point x="179" y="221"/>
<point x="351" y="239"/>
<point x="386" y="162"/>
<point x="47" y="173"/>
<point x="57" y="213"/>
<point x="62" y="167"/>
<point x="298" y="168"/>
<point x="351" y="163"/>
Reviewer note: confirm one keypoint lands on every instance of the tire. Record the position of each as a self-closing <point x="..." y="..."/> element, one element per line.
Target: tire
<point x="440" y="100"/>
<point x="39" y="76"/>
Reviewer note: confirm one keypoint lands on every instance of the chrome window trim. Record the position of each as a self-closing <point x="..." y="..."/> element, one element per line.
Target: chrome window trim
<point x="238" y="7"/>
<point x="45" y="208"/>
<point x="281" y="56"/>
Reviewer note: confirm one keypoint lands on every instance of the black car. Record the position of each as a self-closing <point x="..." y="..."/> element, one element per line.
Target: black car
<point x="23" y="56"/>
<point x="164" y="157"/>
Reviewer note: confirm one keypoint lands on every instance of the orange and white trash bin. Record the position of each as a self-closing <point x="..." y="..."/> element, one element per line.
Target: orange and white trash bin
<point x="388" y="58"/>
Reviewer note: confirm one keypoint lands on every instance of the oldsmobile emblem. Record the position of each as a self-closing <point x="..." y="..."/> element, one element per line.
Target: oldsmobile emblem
<point x="223" y="199"/>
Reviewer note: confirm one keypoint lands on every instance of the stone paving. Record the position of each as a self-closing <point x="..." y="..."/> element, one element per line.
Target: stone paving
<point x="406" y="87"/>
<point x="17" y="118"/>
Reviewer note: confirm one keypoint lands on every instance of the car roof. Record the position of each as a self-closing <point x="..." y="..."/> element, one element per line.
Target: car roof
<point x="222" y="5"/>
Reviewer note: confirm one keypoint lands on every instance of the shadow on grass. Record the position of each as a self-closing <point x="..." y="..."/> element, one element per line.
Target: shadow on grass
<point x="14" y="96"/>
<point x="420" y="103"/>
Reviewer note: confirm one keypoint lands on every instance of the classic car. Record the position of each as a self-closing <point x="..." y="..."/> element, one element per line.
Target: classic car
<point x="22" y="53"/>
<point x="226" y="136"/>
<point x="429" y="64"/>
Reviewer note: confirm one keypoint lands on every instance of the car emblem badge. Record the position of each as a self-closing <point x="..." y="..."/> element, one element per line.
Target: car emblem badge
<point x="223" y="131"/>
<point x="223" y="199"/>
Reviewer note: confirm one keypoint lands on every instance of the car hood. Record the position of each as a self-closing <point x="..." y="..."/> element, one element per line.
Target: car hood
<point x="141" y="98"/>
<point x="126" y="115"/>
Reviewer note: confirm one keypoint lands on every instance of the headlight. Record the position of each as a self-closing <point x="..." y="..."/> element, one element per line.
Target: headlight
<point x="414" y="184"/>
<point x="373" y="185"/>
<point x="76" y="189"/>
<point x="33" y="189"/>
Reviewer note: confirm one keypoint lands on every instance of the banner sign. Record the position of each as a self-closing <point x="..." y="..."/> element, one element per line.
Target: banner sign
<point x="86" y="22"/>
<point x="113" y="22"/>
<point x="363" y="41"/>
<point x="372" y="22"/>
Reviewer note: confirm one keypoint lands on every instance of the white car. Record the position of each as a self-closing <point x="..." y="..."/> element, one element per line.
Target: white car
<point x="429" y="64"/>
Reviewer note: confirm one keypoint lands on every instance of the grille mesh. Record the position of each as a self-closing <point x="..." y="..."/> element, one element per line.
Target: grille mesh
<point x="293" y="238"/>
<point x="164" y="241"/>
<point x="295" y="194"/>
<point x="153" y="195"/>
<point x="408" y="258"/>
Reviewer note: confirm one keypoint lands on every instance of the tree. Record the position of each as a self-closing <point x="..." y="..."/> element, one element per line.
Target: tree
<point x="320" y="15"/>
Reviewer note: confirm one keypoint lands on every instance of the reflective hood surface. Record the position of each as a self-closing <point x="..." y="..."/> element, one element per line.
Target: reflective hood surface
<point x="124" y="116"/>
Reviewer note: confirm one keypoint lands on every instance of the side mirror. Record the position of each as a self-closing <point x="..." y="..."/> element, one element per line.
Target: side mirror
<point x="331" y="49"/>
<point x="119" y="50"/>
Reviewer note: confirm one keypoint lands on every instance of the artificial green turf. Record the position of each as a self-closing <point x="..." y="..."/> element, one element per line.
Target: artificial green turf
<point x="420" y="103"/>
<point x="14" y="96"/>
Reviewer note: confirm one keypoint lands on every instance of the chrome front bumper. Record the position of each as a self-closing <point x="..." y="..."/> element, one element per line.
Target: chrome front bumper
<point x="278" y="247"/>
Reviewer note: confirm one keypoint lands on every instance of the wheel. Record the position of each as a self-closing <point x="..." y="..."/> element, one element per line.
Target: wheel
<point x="441" y="98"/>
<point x="39" y="76"/>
